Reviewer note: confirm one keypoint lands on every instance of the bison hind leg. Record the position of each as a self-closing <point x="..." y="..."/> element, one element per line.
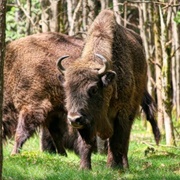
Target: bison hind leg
<point x="58" y="127"/>
<point x="118" y="144"/>
<point x="28" y="121"/>
<point x="46" y="141"/>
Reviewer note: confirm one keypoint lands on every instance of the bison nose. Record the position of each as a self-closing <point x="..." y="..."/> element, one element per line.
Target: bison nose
<point x="76" y="121"/>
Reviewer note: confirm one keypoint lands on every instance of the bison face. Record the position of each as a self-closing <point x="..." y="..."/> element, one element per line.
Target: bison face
<point x="88" y="93"/>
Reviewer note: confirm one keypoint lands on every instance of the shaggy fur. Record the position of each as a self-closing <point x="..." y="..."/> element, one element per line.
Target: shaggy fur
<point x="33" y="92"/>
<point x="106" y="104"/>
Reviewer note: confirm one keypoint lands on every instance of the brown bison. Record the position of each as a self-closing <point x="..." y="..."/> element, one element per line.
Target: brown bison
<point x="33" y="92"/>
<point x="104" y="88"/>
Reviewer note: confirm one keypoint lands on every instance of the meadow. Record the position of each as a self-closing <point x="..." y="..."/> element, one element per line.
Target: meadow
<point x="147" y="162"/>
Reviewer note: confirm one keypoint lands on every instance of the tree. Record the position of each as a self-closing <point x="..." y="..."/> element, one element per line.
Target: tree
<point x="176" y="59"/>
<point x="49" y="17"/>
<point x="166" y="74"/>
<point x="158" y="66"/>
<point x="2" y="51"/>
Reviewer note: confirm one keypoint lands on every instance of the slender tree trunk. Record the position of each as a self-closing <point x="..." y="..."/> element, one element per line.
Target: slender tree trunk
<point x="125" y="14"/>
<point x="85" y="15"/>
<point x="116" y="10"/>
<point x="2" y="52"/>
<point x="54" y="18"/>
<point x="144" y="32"/>
<point x="158" y="66"/>
<point x="176" y="40"/>
<point x="173" y="67"/>
<point x="143" y="35"/>
<point x="100" y="145"/>
<point x="166" y="78"/>
<point x="28" y="24"/>
<point x="176" y="62"/>
<point x="104" y="4"/>
<point x="45" y="6"/>
<point x="63" y="19"/>
<point x="178" y="75"/>
<point x="150" y="33"/>
<point x="72" y="14"/>
<point x="93" y="10"/>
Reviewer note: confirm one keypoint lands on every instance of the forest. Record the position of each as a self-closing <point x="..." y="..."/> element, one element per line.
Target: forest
<point x="156" y="21"/>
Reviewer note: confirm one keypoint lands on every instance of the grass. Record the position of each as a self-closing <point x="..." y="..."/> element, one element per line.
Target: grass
<point x="146" y="160"/>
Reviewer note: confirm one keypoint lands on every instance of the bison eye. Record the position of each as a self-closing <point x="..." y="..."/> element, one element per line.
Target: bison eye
<point x="93" y="91"/>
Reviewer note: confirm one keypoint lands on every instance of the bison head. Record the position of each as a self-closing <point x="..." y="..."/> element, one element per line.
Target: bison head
<point x="89" y="87"/>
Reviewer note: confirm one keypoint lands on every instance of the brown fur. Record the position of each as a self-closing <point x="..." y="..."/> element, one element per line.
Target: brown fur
<point x="33" y="92"/>
<point x="106" y="104"/>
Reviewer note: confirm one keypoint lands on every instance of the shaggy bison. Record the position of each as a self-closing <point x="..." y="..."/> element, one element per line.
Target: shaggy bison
<point x="33" y="92"/>
<point x="104" y="88"/>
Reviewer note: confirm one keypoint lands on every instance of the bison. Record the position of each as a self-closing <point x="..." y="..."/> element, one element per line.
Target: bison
<point x="33" y="92"/>
<point x="104" y="88"/>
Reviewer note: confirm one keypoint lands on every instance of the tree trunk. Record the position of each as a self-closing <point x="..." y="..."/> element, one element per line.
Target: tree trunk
<point x="176" y="62"/>
<point x="63" y="19"/>
<point x="145" y="15"/>
<point x="72" y="14"/>
<point x="100" y="145"/>
<point x="2" y="51"/>
<point x="104" y="4"/>
<point x="158" y="66"/>
<point x="178" y="75"/>
<point x="116" y="10"/>
<point x="166" y="78"/>
<point x="93" y="10"/>
<point x="28" y="24"/>
<point x="84" y="15"/>
<point x="45" y="6"/>
<point x="54" y="18"/>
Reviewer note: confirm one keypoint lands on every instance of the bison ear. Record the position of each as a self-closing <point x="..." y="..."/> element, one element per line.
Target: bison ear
<point x="108" y="78"/>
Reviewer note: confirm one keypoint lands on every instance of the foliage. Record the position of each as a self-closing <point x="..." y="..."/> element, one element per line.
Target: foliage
<point x="147" y="161"/>
<point x="16" y="20"/>
<point x="12" y="26"/>
<point x="177" y="18"/>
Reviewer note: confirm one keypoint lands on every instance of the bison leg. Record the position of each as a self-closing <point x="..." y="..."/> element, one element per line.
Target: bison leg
<point x="57" y="129"/>
<point x="118" y="144"/>
<point x="47" y="143"/>
<point x="85" y="155"/>
<point x="28" y="121"/>
<point x="85" y="150"/>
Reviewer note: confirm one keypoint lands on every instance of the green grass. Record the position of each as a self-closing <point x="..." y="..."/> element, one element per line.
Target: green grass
<point x="163" y="163"/>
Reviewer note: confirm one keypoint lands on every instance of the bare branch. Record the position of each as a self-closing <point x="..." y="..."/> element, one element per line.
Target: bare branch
<point x="24" y="11"/>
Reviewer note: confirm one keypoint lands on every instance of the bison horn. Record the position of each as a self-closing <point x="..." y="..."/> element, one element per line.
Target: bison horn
<point x="105" y="64"/>
<point x="59" y="61"/>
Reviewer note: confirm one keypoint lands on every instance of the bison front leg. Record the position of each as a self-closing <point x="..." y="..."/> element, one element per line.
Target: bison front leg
<point x="85" y="151"/>
<point x="118" y="144"/>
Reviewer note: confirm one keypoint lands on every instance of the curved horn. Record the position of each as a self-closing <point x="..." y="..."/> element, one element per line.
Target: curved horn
<point x="105" y="64"/>
<point x="59" y="65"/>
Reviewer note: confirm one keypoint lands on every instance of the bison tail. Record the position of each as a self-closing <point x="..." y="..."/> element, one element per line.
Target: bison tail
<point x="149" y="108"/>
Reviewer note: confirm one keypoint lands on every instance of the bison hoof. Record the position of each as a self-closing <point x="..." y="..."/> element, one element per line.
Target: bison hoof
<point x="13" y="153"/>
<point x="85" y="166"/>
